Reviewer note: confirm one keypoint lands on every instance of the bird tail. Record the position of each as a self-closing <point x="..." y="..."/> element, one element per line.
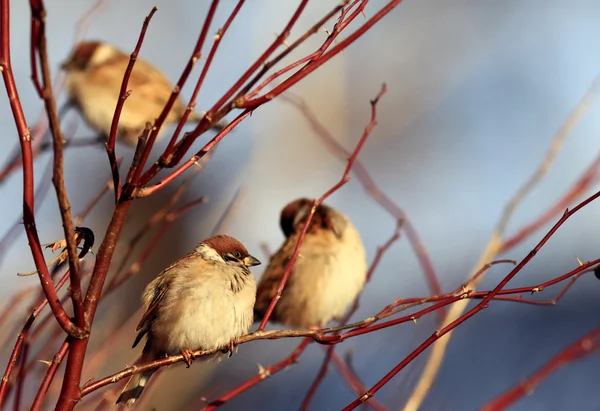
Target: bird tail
<point x="134" y="388"/>
<point x="137" y="382"/>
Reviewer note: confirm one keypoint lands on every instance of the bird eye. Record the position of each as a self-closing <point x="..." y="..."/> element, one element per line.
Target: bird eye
<point x="235" y="256"/>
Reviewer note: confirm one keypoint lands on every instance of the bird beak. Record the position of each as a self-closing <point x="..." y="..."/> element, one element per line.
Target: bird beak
<point x="250" y="261"/>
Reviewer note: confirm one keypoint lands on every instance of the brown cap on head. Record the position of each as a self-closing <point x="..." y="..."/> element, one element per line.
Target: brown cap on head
<point x="294" y="214"/>
<point x="81" y="55"/>
<point x="287" y="217"/>
<point x="230" y="249"/>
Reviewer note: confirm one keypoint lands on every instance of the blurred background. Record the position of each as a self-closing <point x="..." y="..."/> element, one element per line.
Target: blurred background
<point x="476" y="91"/>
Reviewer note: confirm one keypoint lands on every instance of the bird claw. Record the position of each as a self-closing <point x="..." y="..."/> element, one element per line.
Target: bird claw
<point x="229" y="350"/>
<point x="188" y="356"/>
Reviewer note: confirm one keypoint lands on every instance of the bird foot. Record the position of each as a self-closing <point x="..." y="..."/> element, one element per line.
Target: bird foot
<point x="188" y="356"/>
<point x="230" y="349"/>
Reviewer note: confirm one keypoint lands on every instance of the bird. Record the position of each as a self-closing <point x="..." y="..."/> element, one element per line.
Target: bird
<point x="328" y="274"/>
<point x="203" y="301"/>
<point x="94" y="73"/>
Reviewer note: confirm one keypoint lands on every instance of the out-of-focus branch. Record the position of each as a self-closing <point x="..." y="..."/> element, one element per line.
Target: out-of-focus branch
<point x="207" y="64"/>
<point x="50" y="373"/>
<point x="41" y="125"/>
<point x="578" y="350"/>
<point x="225" y="104"/>
<point x="40" y="195"/>
<point x="497" y="244"/>
<point x="479" y="307"/>
<point x="174" y="95"/>
<point x="350" y="377"/>
<point x="332" y="335"/>
<point x="38" y="14"/>
<point x="331" y="350"/>
<point x="28" y="177"/>
<point x="378" y="195"/>
<point x="123" y="94"/>
<point x="263" y="373"/>
<point x="21" y="340"/>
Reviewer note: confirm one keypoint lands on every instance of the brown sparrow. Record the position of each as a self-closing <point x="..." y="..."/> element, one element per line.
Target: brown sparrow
<point x="94" y="73"/>
<point x="203" y="301"/>
<point x="328" y="274"/>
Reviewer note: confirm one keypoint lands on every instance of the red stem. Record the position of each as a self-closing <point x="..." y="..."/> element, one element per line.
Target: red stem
<point x="123" y="94"/>
<point x="39" y="15"/>
<point x="345" y="178"/>
<point x="319" y="377"/>
<point x="146" y="191"/>
<point x="270" y="370"/>
<point x="181" y="148"/>
<point x="21" y="340"/>
<point x="575" y="191"/>
<point x="379" y="196"/>
<point x="50" y="373"/>
<point x="28" y="177"/>
<point x="21" y="377"/>
<point x="70" y="392"/>
<point x="576" y="351"/>
<point x="219" y="36"/>
<point x="314" y="64"/>
<point x="483" y="304"/>
<point x="355" y="384"/>
<point x="135" y="181"/>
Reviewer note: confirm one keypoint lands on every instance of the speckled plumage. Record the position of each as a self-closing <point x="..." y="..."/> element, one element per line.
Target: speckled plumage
<point x="201" y="302"/>
<point x="95" y="72"/>
<point x="329" y="272"/>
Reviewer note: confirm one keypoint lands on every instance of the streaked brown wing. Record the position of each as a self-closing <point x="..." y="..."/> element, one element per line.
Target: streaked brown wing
<point x="150" y="314"/>
<point x="267" y="286"/>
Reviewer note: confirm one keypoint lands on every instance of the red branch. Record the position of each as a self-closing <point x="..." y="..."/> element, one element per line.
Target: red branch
<point x="135" y="181"/>
<point x="569" y="197"/>
<point x="345" y="178"/>
<point x="262" y="374"/>
<point x="38" y="13"/>
<point x="217" y="41"/>
<point x="360" y="328"/>
<point x="123" y="94"/>
<point x="583" y="347"/>
<point x="378" y="195"/>
<point x="50" y="373"/>
<point x="316" y="63"/>
<point x="330" y="353"/>
<point x="28" y="177"/>
<point x="21" y="340"/>
<point x="480" y="306"/>
<point x="318" y="379"/>
<point x="350" y="377"/>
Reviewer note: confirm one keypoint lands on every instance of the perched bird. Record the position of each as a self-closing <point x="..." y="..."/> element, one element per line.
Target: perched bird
<point x="94" y="73"/>
<point x="328" y="274"/>
<point x="203" y="301"/>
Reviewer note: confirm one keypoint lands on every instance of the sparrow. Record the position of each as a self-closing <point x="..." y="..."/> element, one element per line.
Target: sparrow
<point x="203" y="301"/>
<point x="94" y="73"/>
<point x="329" y="273"/>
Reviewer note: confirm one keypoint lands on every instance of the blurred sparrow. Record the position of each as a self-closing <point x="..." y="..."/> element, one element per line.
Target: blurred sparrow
<point x="203" y="301"/>
<point x="94" y="73"/>
<point x="328" y="274"/>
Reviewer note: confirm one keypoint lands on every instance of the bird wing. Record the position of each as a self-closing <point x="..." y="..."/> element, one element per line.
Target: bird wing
<point x="159" y="292"/>
<point x="148" y="85"/>
<point x="269" y="281"/>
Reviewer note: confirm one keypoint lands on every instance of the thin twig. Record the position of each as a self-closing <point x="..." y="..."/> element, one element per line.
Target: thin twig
<point x="496" y="244"/>
<point x="581" y="348"/>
